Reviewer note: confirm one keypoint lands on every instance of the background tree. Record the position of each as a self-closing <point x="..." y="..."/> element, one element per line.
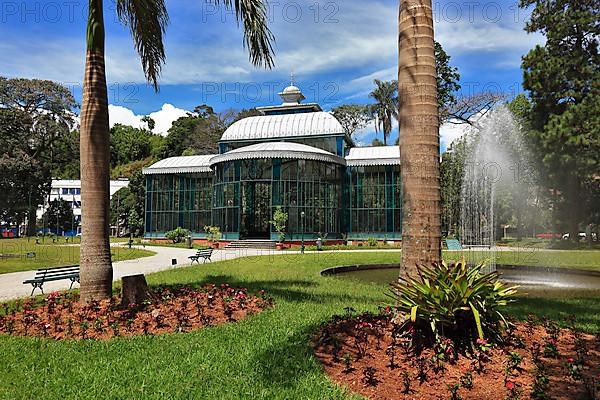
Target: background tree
<point x="419" y="136"/>
<point x="561" y="78"/>
<point x="24" y="180"/>
<point x="447" y="78"/>
<point x="352" y="117"/>
<point x="47" y="106"/>
<point x="59" y="217"/>
<point x="147" y="22"/>
<point x="385" y="109"/>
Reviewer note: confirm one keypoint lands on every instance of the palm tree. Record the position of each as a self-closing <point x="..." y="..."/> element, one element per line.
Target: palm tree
<point x="419" y="136"/>
<point x="386" y="107"/>
<point x="147" y="20"/>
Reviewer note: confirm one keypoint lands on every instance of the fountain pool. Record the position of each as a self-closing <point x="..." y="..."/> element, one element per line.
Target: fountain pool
<point x="532" y="280"/>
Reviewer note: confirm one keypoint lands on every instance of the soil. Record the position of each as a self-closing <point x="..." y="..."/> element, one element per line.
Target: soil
<point x="360" y="359"/>
<point x="60" y="316"/>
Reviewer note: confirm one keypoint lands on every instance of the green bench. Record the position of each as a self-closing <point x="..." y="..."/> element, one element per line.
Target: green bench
<point x="70" y="272"/>
<point x="205" y="254"/>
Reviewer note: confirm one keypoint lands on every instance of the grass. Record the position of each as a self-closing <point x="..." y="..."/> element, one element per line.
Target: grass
<point x="573" y="259"/>
<point x="48" y="254"/>
<point x="549" y="244"/>
<point x="267" y="356"/>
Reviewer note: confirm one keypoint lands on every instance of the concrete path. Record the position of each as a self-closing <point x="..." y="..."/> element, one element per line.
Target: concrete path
<point x="12" y="287"/>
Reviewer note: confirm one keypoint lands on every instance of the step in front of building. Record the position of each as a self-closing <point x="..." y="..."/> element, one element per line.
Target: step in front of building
<point x="252" y="244"/>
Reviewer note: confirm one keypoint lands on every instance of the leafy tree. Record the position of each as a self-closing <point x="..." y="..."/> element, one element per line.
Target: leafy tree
<point x="451" y="177"/>
<point x="447" y="77"/>
<point x="385" y="110"/>
<point x="127" y="202"/>
<point x="561" y="78"/>
<point x="59" y="216"/>
<point x="352" y="117"/>
<point x="147" y="22"/>
<point x="47" y="107"/>
<point x="129" y="144"/>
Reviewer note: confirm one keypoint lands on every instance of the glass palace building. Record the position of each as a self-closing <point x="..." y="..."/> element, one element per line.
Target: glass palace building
<point x="295" y="156"/>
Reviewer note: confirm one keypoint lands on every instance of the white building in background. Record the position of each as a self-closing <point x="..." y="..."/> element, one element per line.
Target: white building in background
<point x="69" y="190"/>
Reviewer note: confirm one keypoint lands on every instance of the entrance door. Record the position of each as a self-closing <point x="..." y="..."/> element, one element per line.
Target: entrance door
<point x="256" y="210"/>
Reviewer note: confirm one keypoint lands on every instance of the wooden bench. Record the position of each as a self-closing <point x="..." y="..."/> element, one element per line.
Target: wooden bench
<point x="205" y="254"/>
<point x="43" y="275"/>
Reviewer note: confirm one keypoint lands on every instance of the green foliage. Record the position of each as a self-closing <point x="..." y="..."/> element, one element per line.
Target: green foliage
<point x="447" y="77"/>
<point x="34" y="116"/>
<point x="372" y="242"/>
<point x="213" y="233"/>
<point x="129" y="144"/>
<point x="177" y="235"/>
<point x="352" y="117"/>
<point x="561" y="78"/>
<point x="135" y="223"/>
<point x="59" y="216"/>
<point x="385" y="109"/>
<point x="197" y="133"/>
<point x="279" y="221"/>
<point x="454" y="300"/>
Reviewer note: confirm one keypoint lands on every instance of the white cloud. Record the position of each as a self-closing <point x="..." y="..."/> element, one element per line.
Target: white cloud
<point x="450" y="132"/>
<point x="163" y="118"/>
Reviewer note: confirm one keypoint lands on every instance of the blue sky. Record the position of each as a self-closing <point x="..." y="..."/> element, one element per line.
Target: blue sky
<point x="335" y="48"/>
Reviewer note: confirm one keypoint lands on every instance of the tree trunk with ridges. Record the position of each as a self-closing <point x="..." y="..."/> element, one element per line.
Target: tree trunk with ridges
<point x="419" y="136"/>
<point x="95" y="257"/>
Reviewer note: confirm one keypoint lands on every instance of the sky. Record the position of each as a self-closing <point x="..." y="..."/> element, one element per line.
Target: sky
<point x="334" y="48"/>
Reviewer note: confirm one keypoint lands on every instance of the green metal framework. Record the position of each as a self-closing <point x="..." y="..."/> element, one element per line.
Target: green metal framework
<point x="374" y="202"/>
<point x="183" y="200"/>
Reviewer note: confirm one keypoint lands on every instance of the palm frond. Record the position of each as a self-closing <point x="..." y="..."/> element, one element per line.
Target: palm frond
<point x="147" y="21"/>
<point x="258" y="38"/>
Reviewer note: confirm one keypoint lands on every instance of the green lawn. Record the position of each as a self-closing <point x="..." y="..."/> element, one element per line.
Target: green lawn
<point x="48" y="254"/>
<point x="267" y="356"/>
<point x="578" y="259"/>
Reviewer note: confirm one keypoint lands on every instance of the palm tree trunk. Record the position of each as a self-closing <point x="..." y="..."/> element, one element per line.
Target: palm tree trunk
<point x="95" y="258"/>
<point x="419" y="136"/>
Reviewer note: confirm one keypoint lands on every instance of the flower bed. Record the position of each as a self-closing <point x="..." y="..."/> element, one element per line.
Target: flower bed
<point x="61" y="316"/>
<point x="382" y="360"/>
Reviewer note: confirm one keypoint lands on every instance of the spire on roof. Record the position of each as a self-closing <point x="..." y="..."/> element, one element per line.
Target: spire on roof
<point x="292" y="94"/>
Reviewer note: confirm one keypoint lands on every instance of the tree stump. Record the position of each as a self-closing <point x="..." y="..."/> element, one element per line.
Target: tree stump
<point x="134" y="290"/>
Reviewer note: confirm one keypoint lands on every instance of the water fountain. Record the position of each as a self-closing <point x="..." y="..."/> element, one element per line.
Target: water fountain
<point x="497" y="161"/>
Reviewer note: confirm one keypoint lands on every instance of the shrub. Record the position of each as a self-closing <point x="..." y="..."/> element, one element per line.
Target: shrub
<point x="372" y="242"/>
<point x="453" y="300"/>
<point x="177" y="235"/>
<point x="213" y="233"/>
<point x="280" y="218"/>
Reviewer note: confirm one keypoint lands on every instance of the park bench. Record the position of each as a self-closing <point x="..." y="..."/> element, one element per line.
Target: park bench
<point x="43" y="275"/>
<point x="205" y="254"/>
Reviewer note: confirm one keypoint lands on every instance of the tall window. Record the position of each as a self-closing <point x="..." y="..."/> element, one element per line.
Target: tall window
<point x="375" y="200"/>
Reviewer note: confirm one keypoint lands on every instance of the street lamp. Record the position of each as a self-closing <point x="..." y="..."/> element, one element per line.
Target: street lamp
<point x="302" y="246"/>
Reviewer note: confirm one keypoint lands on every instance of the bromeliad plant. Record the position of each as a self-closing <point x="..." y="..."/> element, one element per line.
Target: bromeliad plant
<point x="451" y="300"/>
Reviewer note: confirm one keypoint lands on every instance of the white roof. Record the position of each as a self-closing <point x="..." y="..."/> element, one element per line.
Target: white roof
<point x="180" y="165"/>
<point x="285" y="125"/>
<point x="376" y="155"/>
<point x="278" y="150"/>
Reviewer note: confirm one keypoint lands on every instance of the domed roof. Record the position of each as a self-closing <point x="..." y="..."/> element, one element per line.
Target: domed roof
<point x="291" y="89"/>
<point x="286" y="150"/>
<point x="283" y="126"/>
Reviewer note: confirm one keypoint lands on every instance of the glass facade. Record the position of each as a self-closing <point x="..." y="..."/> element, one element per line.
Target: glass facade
<point x="241" y="197"/>
<point x="174" y="200"/>
<point x="375" y="201"/>
<point x="248" y="191"/>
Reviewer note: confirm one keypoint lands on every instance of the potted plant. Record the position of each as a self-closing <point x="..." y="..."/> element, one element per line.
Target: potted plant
<point x="213" y="235"/>
<point x="279" y="221"/>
